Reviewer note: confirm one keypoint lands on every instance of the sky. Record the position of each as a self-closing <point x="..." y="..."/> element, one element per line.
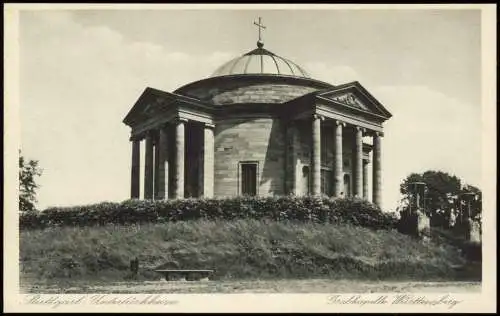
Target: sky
<point x="82" y="70"/>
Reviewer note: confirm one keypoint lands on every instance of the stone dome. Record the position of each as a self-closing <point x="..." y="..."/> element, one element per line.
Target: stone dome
<point x="260" y="61"/>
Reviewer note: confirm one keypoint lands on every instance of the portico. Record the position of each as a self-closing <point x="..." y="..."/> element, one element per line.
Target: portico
<point x="178" y="144"/>
<point x="177" y="165"/>
<point x="360" y="158"/>
<point x="339" y="121"/>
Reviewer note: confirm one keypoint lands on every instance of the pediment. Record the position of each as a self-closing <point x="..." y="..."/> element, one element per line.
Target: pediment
<point x="347" y="99"/>
<point x="354" y="96"/>
<point x="153" y="102"/>
<point x="155" y="106"/>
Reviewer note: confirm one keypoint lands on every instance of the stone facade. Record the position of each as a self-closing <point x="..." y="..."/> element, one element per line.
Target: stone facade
<point x="259" y="140"/>
<point x="262" y="93"/>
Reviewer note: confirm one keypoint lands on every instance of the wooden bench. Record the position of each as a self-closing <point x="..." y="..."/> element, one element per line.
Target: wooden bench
<point x="188" y="275"/>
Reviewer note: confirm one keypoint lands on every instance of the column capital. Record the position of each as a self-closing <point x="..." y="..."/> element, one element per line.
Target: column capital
<point x="135" y="138"/>
<point x="359" y="128"/>
<point x="162" y="126"/>
<point x="149" y="133"/>
<point x="337" y="123"/>
<point x="181" y="120"/>
<point x="139" y="136"/>
<point x="317" y="116"/>
<point x="209" y="125"/>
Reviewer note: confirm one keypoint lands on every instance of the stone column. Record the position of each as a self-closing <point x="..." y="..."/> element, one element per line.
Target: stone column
<point x="377" y="170"/>
<point x="156" y="168"/>
<point x="148" y="168"/>
<point x="208" y="161"/>
<point x="179" y="158"/>
<point x="291" y="158"/>
<point x="136" y="165"/>
<point x="365" y="179"/>
<point x="296" y="173"/>
<point x="162" y="178"/>
<point x="316" y="156"/>
<point x="358" y="180"/>
<point x="338" y="159"/>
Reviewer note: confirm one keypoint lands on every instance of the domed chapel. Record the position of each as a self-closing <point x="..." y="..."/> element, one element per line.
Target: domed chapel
<point x="259" y="125"/>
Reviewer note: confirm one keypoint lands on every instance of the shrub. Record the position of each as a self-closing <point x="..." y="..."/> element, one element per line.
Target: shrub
<point x="278" y="208"/>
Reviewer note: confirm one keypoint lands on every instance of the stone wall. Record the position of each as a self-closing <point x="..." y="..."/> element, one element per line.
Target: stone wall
<point x="263" y="90"/>
<point x="250" y="139"/>
<point x="261" y="93"/>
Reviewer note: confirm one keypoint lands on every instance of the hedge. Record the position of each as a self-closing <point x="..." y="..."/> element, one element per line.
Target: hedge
<point x="316" y="209"/>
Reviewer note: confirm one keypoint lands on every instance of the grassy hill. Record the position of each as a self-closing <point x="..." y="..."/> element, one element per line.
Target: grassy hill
<point x="244" y="248"/>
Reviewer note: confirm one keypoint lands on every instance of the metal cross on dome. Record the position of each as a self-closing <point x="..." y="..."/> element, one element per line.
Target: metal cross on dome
<point x="260" y="26"/>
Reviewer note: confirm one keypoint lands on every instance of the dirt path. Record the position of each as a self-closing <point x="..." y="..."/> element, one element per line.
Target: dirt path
<point x="257" y="286"/>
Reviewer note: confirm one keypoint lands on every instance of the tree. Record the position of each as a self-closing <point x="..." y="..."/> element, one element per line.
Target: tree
<point x="442" y="195"/>
<point x="28" y="171"/>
